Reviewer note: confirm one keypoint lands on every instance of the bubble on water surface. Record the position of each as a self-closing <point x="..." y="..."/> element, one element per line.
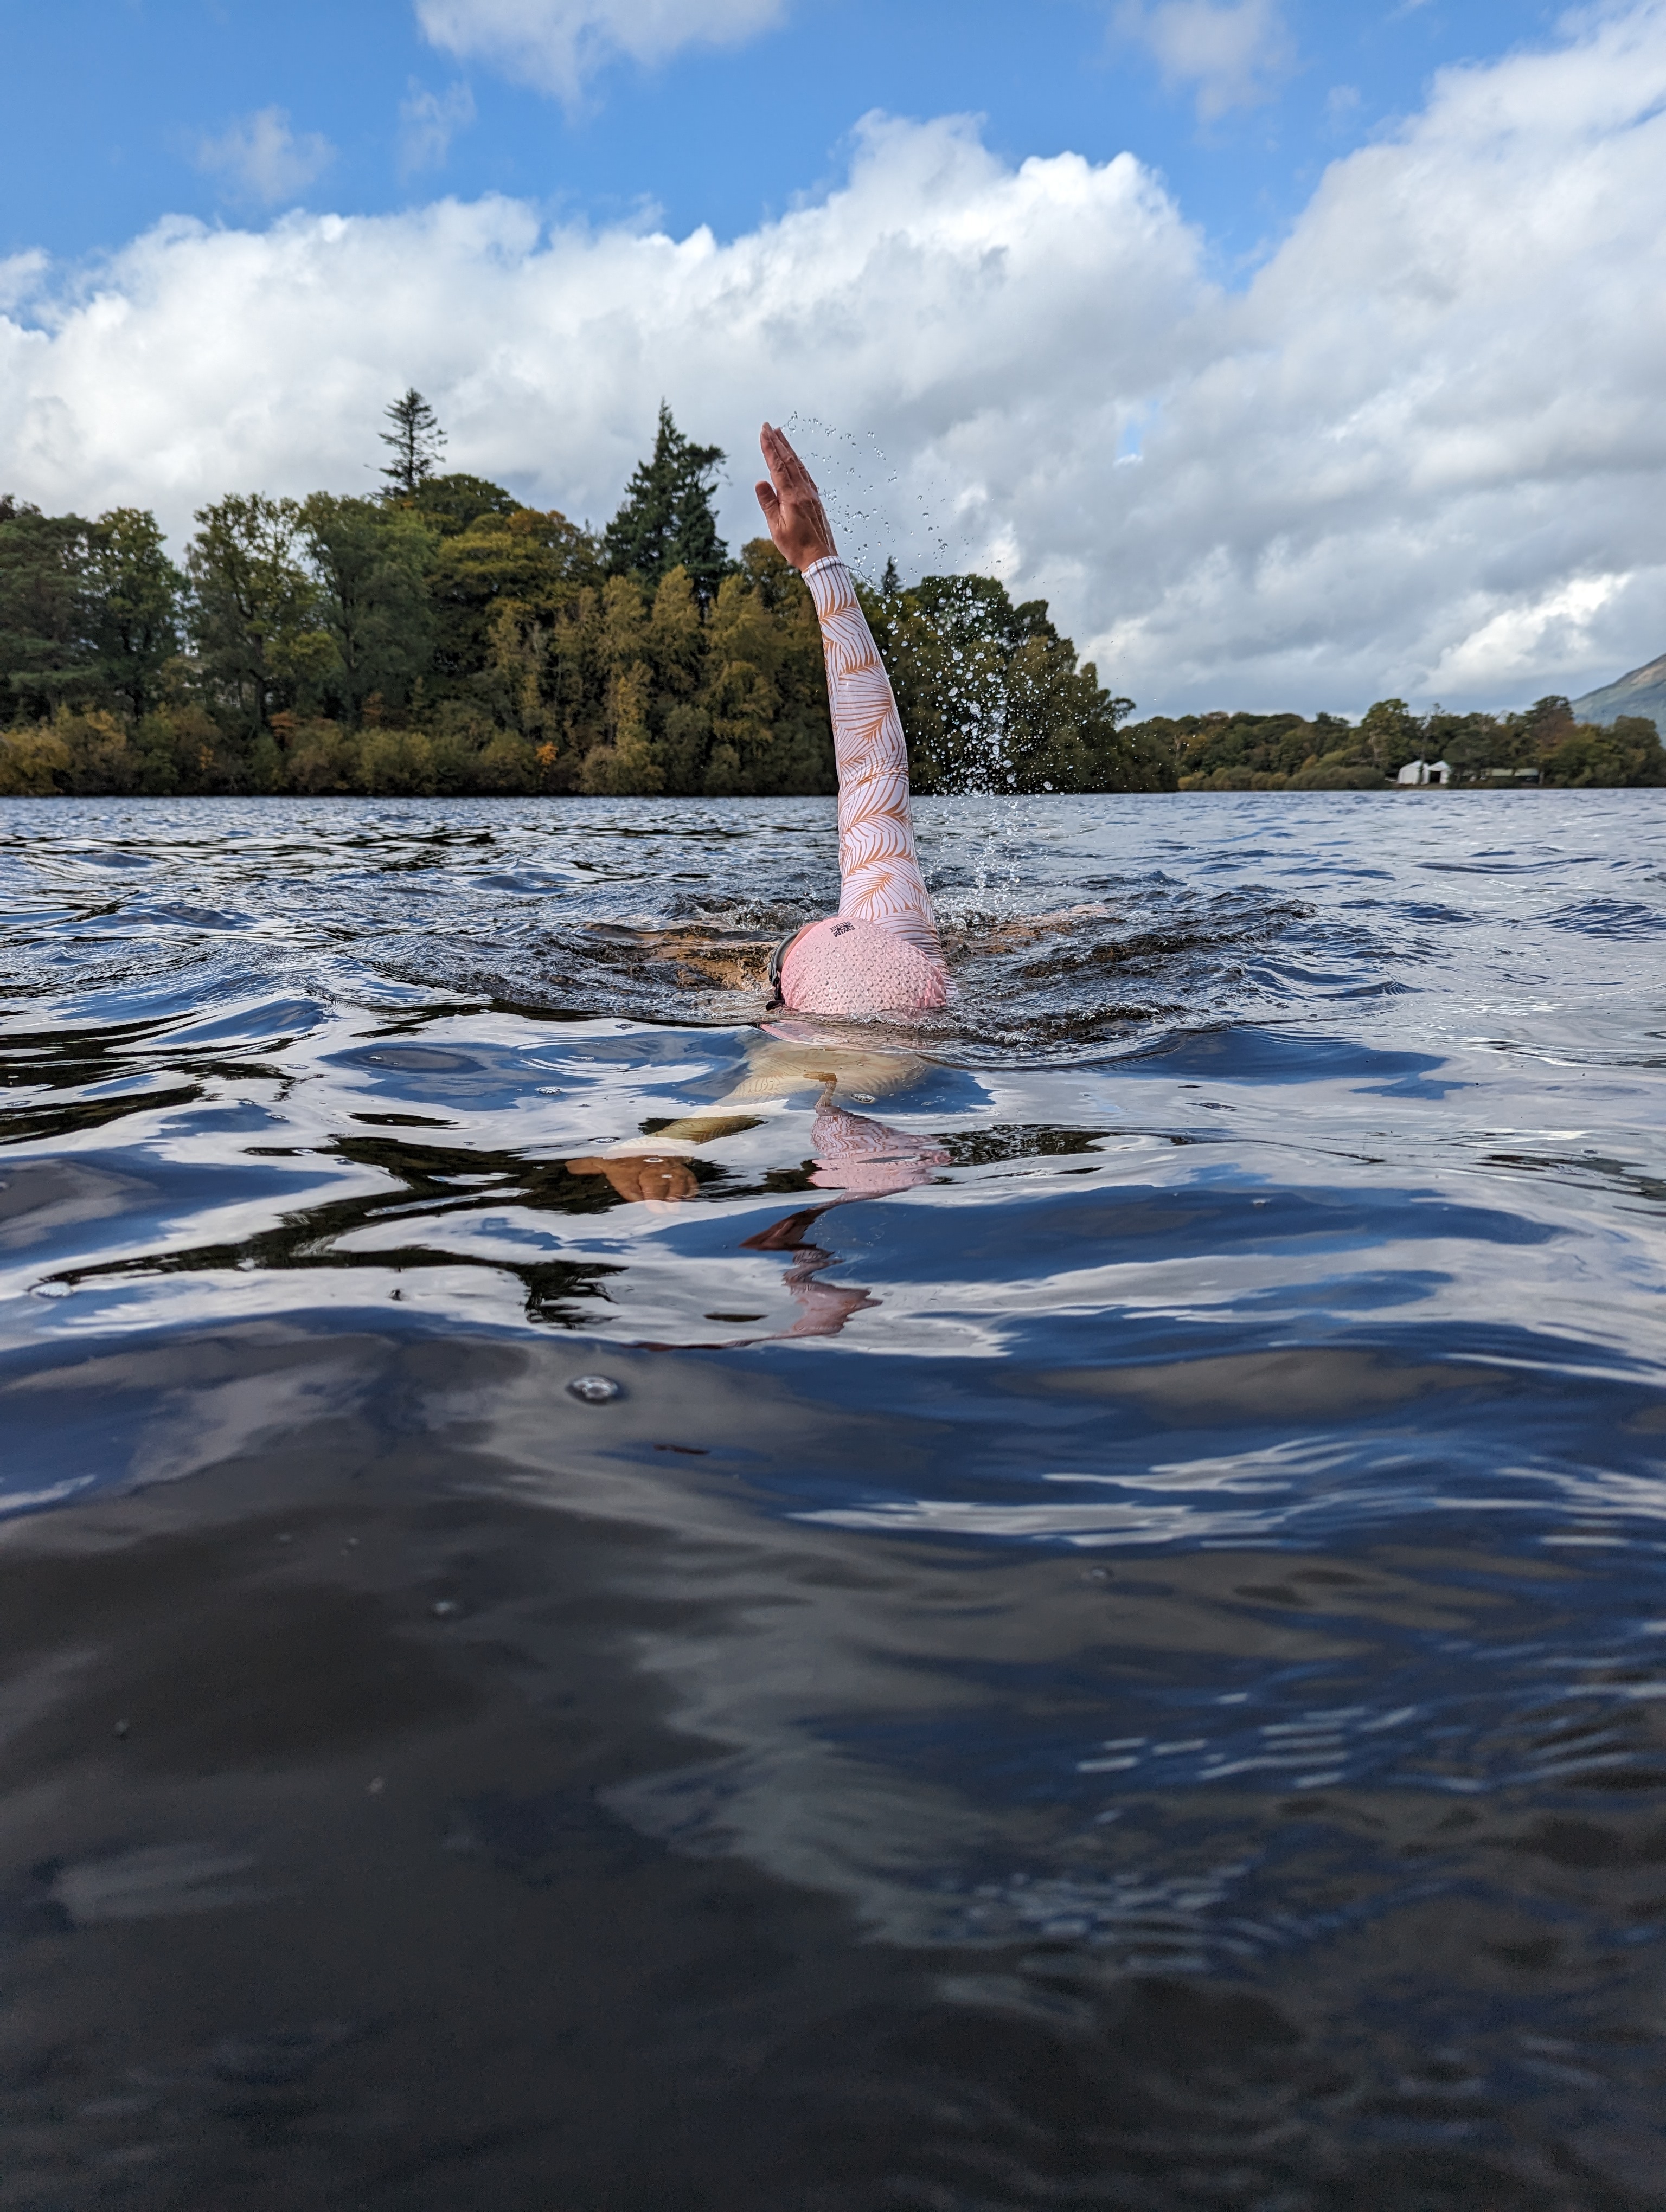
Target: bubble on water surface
<point x="594" y="1390"/>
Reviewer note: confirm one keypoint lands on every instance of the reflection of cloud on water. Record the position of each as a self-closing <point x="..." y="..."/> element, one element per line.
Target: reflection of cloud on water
<point x="1307" y="1381"/>
<point x="783" y="1635"/>
<point x="206" y="1399"/>
<point x="804" y="1649"/>
<point x="862" y="1712"/>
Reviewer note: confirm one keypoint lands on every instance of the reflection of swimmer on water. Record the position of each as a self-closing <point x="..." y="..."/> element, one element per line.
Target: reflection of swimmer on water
<point x="855" y="1157"/>
<point x="854" y="1154"/>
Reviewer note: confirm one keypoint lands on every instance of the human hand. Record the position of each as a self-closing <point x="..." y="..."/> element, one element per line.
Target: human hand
<point x="642" y="1174"/>
<point x="792" y="505"/>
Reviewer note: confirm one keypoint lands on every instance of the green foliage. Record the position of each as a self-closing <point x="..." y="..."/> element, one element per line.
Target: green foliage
<point x="1623" y="753"/>
<point x="44" y="658"/>
<point x="369" y="567"/>
<point x="1286" y="752"/>
<point x="88" y="610"/>
<point x="614" y="688"/>
<point x="129" y="607"/>
<point x="1389" y="735"/>
<point x="254" y="611"/>
<point x="1272" y="753"/>
<point x="524" y="559"/>
<point x="991" y="698"/>
<point x="442" y="638"/>
<point x="85" y="751"/>
<point x="450" y="503"/>
<point x="666" y="521"/>
<point x="414" y="441"/>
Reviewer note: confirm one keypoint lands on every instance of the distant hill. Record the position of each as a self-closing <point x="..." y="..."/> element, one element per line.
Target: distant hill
<point x="1642" y="692"/>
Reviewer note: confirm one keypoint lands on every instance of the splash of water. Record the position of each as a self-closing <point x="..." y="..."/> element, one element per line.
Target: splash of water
<point x="858" y="485"/>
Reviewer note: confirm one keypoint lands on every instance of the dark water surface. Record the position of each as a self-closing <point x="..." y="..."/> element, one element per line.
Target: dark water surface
<point x="1112" y="1656"/>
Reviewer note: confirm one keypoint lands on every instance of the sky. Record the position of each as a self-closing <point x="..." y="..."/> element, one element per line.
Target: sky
<point x="1300" y="355"/>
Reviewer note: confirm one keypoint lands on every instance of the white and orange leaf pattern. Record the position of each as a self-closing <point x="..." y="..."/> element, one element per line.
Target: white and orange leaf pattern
<point x="878" y="868"/>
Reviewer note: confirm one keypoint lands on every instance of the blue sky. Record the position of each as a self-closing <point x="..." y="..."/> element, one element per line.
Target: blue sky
<point x="116" y="108"/>
<point x="1296" y="354"/>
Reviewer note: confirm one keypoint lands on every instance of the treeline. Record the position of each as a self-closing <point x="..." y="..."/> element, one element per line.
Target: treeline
<point x="443" y="638"/>
<point x="440" y="637"/>
<point x="1286" y="752"/>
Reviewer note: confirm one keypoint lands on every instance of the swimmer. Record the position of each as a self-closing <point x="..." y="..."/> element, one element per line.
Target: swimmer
<point x="881" y="953"/>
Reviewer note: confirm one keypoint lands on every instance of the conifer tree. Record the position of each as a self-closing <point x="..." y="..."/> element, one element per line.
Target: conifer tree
<point x="370" y="567"/>
<point x="891" y="583"/>
<point x="417" y="440"/>
<point x="666" y="520"/>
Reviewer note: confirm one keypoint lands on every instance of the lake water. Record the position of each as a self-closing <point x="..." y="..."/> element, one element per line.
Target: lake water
<point x="1107" y="1649"/>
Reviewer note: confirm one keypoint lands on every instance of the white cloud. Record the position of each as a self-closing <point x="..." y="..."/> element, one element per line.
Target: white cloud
<point x="20" y="278"/>
<point x="1423" y="453"/>
<point x="428" y="121"/>
<point x="555" y="45"/>
<point x="261" y="158"/>
<point x="1525" y="636"/>
<point x="1234" y="52"/>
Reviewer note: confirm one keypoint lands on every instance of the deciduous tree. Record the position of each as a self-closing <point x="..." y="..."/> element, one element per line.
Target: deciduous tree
<point x="131" y="600"/>
<point x="45" y="656"/>
<point x="255" y="614"/>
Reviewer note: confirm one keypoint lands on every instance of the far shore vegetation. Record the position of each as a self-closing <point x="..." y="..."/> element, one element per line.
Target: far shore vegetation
<point x="442" y="638"/>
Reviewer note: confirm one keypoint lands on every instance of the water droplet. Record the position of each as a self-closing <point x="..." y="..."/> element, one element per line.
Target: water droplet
<point x="594" y="1390"/>
<point x="443" y="1606"/>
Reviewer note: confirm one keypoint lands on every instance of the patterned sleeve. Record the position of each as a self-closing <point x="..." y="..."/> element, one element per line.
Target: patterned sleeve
<point x="879" y="869"/>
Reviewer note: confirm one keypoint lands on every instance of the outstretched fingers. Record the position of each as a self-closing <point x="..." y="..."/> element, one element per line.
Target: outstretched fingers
<point x="786" y="468"/>
<point x="792" y="506"/>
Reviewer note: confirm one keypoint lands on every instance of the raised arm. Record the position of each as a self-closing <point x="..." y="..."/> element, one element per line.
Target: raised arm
<point x="879" y="876"/>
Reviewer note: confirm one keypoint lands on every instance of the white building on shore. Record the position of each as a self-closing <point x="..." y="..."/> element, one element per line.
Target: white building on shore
<point x="1422" y="771"/>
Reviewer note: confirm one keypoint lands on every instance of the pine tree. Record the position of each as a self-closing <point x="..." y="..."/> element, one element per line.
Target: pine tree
<point x="891" y="583"/>
<point x="417" y="440"/>
<point x="665" y="518"/>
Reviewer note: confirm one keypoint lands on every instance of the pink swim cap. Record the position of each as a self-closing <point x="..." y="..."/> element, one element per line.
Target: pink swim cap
<point x="840" y="967"/>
